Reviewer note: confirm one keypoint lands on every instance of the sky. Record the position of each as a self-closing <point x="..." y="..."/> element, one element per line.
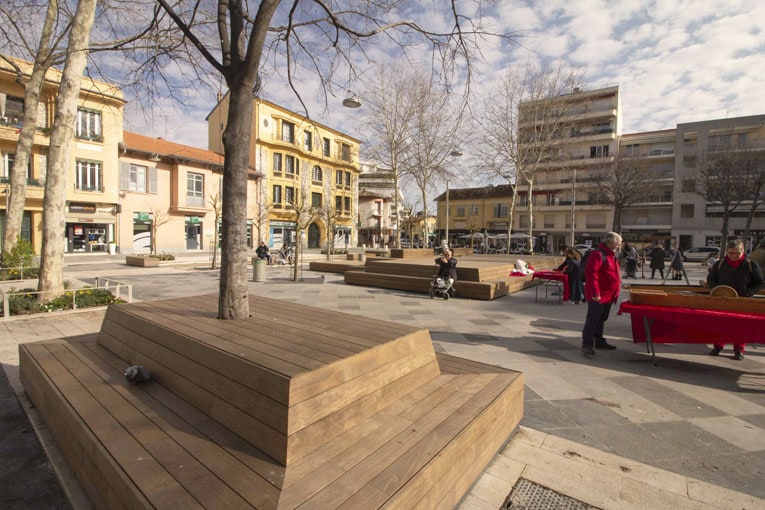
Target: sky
<point x="674" y="61"/>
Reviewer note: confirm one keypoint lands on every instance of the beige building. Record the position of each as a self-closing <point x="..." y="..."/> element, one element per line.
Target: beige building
<point x="92" y="197"/>
<point x="177" y="188"/>
<point x="306" y="166"/>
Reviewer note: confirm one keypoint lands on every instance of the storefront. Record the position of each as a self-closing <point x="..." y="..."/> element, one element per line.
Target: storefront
<point x="89" y="227"/>
<point x="281" y="232"/>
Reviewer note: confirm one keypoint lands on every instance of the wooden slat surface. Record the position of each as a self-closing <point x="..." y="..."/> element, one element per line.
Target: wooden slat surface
<point x="387" y="424"/>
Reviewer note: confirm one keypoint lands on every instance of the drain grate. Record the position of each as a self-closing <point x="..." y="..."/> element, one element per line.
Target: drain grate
<point x="528" y="495"/>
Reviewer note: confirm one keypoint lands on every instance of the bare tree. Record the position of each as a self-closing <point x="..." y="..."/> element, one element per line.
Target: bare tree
<point x="625" y="182"/>
<point x="44" y="58"/>
<point x="158" y="218"/>
<point x="387" y="119"/>
<point x="431" y="137"/>
<point x="525" y="123"/>
<point x="232" y="37"/>
<point x="51" y="280"/>
<point x="755" y="187"/>
<point x="304" y="214"/>
<point x="216" y="203"/>
<point x="722" y="179"/>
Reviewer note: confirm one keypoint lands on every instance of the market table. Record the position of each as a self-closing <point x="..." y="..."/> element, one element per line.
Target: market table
<point x="551" y="278"/>
<point x="654" y="324"/>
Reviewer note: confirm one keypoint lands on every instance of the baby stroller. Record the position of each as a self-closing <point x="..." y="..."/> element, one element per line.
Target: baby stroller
<point x="441" y="287"/>
<point x="632" y="265"/>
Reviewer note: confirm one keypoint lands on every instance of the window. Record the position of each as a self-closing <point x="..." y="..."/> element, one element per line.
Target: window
<point x="137" y="178"/>
<point x="719" y="141"/>
<point x="460" y="210"/>
<point x="307" y="141"/>
<point x="325" y="146"/>
<point x="378" y="207"/>
<point x="500" y="211"/>
<point x="89" y="176"/>
<point x="523" y="221"/>
<point x="195" y="190"/>
<point x="338" y="203"/>
<point x="289" y="195"/>
<point x="277" y="163"/>
<point x="688" y="186"/>
<point x="9" y="160"/>
<point x="316" y="174"/>
<point x="345" y="152"/>
<point x="277" y="198"/>
<point x="549" y="221"/>
<point x="523" y="200"/>
<point x="348" y="204"/>
<point x="315" y="199"/>
<point x="289" y="165"/>
<point x="347" y="179"/>
<point x="473" y="210"/>
<point x="689" y="161"/>
<point x="595" y="220"/>
<point x="599" y="151"/>
<point x="687" y="210"/>
<point x="88" y="124"/>
<point x="631" y="150"/>
<point x="339" y="178"/>
<point x="13" y="110"/>
<point x="288" y="132"/>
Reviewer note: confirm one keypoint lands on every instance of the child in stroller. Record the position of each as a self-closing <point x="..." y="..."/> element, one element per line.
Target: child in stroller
<point x="442" y="284"/>
<point x="629" y="254"/>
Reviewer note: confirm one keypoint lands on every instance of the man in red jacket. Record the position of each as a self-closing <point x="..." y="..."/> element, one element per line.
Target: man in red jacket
<point x="601" y="290"/>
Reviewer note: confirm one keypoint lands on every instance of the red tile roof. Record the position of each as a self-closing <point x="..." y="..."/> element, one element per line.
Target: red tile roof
<point x="164" y="148"/>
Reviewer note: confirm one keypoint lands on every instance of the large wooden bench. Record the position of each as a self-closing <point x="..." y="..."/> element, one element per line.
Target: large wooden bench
<point x="294" y="407"/>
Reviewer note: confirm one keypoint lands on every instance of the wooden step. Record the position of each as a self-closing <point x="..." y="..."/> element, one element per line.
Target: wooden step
<point x="367" y="415"/>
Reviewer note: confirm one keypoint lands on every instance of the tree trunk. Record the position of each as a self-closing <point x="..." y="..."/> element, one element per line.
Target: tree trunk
<point x="14" y="213"/>
<point x="233" y="299"/>
<point x="531" y="217"/>
<point x="51" y="281"/>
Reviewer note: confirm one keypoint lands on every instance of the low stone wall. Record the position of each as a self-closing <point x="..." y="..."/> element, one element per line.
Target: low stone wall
<point x="135" y="260"/>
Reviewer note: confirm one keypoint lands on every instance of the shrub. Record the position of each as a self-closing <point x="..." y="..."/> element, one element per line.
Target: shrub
<point x="26" y="303"/>
<point x="12" y="262"/>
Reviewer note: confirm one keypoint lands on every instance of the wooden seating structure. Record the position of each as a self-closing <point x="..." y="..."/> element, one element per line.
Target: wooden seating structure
<point x="295" y="407"/>
<point x="484" y="277"/>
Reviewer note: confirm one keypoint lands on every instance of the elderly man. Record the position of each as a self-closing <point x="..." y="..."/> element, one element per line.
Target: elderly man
<point x="601" y="290"/>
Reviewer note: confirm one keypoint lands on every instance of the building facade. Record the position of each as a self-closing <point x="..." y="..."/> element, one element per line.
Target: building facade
<point x="567" y="201"/>
<point x="172" y="193"/>
<point x="92" y="198"/>
<point x="307" y="167"/>
<point x="377" y="217"/>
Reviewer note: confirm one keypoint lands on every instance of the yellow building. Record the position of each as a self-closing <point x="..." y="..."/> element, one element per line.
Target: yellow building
<point x="306" y="166"/>
<point x="92" y="196"/>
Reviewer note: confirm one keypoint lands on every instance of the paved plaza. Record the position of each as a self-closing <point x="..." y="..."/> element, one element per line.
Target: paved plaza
<point x="613" y="430"/>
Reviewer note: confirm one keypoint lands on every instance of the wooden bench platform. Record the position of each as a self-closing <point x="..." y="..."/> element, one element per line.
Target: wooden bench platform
<point x="484" y="277"/>
<point x="295" y="407"/>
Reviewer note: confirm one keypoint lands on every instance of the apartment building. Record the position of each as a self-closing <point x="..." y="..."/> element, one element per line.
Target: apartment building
<point x="306" y="165"/>
<point x="566" y="199"/>
<point x="378" y="218"/>
<point x="173" y="191"/>
<point x="92" y="197"/>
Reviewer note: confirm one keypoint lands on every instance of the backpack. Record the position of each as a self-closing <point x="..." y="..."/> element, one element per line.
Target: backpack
<point x="583" y="262"/>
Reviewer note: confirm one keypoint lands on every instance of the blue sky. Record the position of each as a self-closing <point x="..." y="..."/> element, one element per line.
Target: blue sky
<point x="674" y="61"/>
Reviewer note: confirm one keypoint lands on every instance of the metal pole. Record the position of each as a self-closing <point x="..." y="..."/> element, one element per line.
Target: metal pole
<point x="447" y="213"/>
<point x="573" y="208"/>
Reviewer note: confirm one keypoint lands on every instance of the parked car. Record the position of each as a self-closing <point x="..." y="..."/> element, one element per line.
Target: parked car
<point x="700" y="253"/>
<point x="582" y="248"/>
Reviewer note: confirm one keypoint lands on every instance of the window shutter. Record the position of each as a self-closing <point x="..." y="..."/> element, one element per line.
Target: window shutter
<point x="153" y="180"/>
<point x="124" y="175"/>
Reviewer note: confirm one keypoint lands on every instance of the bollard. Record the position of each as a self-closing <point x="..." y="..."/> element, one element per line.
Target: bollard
<point x="258" y="269"/>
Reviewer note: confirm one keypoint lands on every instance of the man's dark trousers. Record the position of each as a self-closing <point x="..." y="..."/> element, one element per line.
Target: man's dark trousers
<point x="597" y="314"/>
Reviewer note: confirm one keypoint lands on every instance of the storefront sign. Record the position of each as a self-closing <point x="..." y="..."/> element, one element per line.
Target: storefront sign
<point x="82" y="208"/>
<point x="194" y="220"/>
<point x="142" y="216"/>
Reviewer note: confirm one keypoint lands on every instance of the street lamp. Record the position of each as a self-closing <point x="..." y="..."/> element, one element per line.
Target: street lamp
<point x="455" y="153"/>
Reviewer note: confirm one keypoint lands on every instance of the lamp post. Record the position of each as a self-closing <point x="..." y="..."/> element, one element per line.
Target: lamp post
<point x="455" y="153"/>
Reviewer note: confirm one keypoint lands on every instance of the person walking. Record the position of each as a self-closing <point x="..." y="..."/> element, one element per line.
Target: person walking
<point x="758" y="255"/>
<point x="736" y="271"/>
<point x="601" y="291"/>
<point x="570" y="267"/>
<point x="657" y="261"/>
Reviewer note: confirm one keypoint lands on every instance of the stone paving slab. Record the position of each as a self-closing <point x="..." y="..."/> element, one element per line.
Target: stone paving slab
<point x="670" y="423"/>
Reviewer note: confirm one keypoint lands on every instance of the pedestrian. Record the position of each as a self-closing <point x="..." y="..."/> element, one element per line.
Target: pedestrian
<point x="629" y="255"/>
<point x="263" y="254"/>
<point x="657" y="261"/>
<point x="677" y="264"/>
<point x="570" y="267"/>
<point x="603" y="277"/>
<point x="758" y="255"/>
<point x="736" y="271"/>
<point x="447" y="267"/>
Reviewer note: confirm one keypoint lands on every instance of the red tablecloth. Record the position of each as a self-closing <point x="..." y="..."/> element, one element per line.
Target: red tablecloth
<point x="672" y="325"/>
<point x="554" y="275"/>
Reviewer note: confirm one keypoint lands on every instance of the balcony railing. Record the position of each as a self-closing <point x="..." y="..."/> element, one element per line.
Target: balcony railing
<point x="30" y="182"/>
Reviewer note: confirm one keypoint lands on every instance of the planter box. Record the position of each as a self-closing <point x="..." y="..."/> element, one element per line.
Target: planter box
<point x="135" y="260"/>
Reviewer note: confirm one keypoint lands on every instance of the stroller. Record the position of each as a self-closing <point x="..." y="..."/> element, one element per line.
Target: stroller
<point x="441" y="287"/>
